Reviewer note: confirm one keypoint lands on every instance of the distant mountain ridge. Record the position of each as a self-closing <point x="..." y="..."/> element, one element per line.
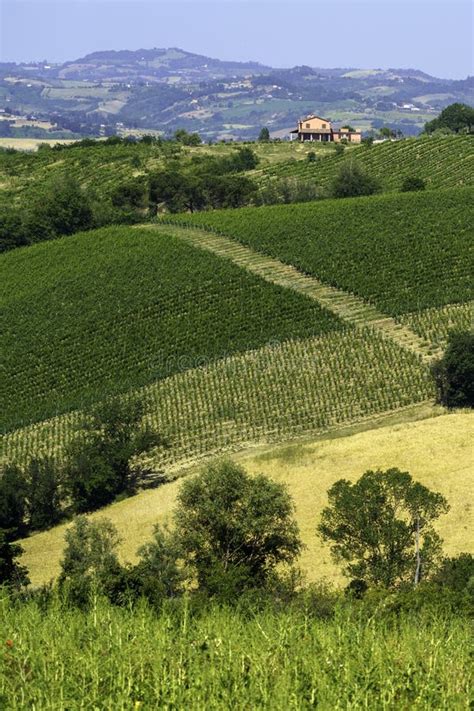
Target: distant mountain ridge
<point x="162" y="89"/>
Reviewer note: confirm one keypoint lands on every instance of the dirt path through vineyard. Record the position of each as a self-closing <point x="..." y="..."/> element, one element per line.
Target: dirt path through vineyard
<point x="348" y="307"/>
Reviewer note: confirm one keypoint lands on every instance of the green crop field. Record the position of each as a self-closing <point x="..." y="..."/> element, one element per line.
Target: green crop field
<point x="106" y="311"/>
<point x="403" y="252"/>
<point x="442" y="161"/>
<point x="271" y="394"/>
<point x="220" y="658"/>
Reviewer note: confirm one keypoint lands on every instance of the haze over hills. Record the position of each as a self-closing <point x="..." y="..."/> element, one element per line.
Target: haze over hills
<point x="161" y="89"/>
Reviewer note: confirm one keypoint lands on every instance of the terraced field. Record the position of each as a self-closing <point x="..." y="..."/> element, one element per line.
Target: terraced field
<point x="442" y="161"/>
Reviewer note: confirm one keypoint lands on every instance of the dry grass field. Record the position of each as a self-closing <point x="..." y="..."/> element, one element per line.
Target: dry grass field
<point x="31" y="144"/>
<point x="437" y="451"/>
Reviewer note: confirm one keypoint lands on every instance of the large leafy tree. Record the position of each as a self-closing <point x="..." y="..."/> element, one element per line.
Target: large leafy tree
<point x="12" y="573"/>
<point x="454" y="372"/>
<point x="233" y="529"/>
<point x="61" y="208"/>
<point x="99" y="460"/>
<point x="352" y="181"/>
<point x="455" y="117"/>
<point x="380" y="528"/>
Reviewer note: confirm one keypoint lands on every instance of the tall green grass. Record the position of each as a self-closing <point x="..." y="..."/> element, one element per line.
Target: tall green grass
<point x="118" y="658"/>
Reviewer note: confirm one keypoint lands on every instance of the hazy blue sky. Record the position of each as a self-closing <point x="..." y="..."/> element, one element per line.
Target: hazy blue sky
<point x="433" y="35"/>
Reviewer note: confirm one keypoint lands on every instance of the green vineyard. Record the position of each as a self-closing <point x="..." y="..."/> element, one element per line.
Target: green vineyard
<point x="402" y="253"/>
<point x="442" y="161"/>
<point x="434" y="325"/>
<point x="102" y="312"/>
<point x="271" y="394"/>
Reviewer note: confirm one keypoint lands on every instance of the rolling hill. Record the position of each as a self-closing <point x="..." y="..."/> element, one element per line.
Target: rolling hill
<point x="164" y="88"/>
<point x="441" y="161"/>
<point x="227" y="341"/>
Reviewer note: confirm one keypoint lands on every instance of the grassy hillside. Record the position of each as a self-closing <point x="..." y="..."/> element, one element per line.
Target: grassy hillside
<point x="442" y="161"/>
<point x="106" y="311"/>
<point x="437" y="452"/>
<point x="401" y="252"/>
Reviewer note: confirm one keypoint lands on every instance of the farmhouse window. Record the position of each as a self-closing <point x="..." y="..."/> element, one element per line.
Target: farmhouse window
<point x="308" y="125"/>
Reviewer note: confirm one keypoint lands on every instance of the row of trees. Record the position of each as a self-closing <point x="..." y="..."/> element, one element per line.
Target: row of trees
<point x="234" y="533"/>
<point x="100" y="464"/>
<point x="62" y="206"/>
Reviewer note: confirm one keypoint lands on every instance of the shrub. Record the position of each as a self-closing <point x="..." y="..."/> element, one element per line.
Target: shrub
<point x="411" y="183"/>
<point x="351" y="181"/>
<point x="457" y="573"/>
<point x="12" y="573"/>
<point x="90" y="564"/>
<point x="454" y="372"/>
<point x="158" y="575"/>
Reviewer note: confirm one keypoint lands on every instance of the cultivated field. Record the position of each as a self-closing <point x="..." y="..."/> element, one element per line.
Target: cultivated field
<point x="442" y="161"/>
<point x="119" y="308"/>
<point x="403" y="252"/>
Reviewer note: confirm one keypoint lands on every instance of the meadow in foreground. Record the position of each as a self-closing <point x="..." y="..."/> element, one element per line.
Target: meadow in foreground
<point x="270" y="658"/>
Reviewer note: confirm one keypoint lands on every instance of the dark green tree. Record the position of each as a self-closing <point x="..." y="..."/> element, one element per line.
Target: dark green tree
<point x="458" y="118"/>
<point x="90" y="564"/>
<point x="158" y="574"/>
<point x="131" y="195"/>
<point x="12" y="232"/>
<point x="454" y="372"/>
<point x="99" y="465"/>
<point x="228" y="190"/>
<point x="234" y="529"/>
<point x="61" y="208"/>
<point x="412" y="183"/>
<point x="12" y="573"/>
<point x="380" y="528"/>
<point x="13" y="491"/>
<point x="311" y="157"/>
<point x="187" y="139"/>
<point x="387" y="132"/>
<point x="44" y="495"/>
<point x="352" y="181"/>
<point x="264" y="134"/>
<point x="177" y="191"/>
